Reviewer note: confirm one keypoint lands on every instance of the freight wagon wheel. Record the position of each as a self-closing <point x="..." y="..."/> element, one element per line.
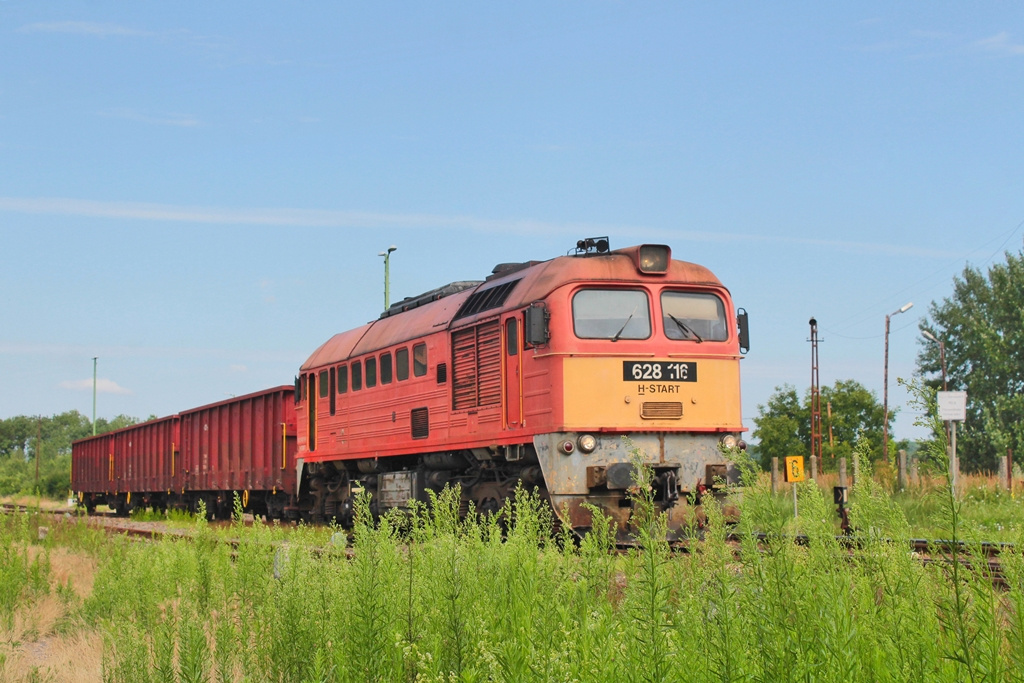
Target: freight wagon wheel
<point x="275" y="506"/>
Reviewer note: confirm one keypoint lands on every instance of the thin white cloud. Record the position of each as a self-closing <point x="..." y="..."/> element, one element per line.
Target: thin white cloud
<point x="162" y="353"/>
<point x="361" y="220"/>
<point x="1000" y="44"/>
<point x="164" y="119"/>
<point x="235" y="367"/>
<point x="103" y="386"/>
<point x="85" y="28"/>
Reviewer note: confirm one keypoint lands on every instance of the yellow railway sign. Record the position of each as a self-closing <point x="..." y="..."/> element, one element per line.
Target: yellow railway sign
<point x="794" y="468"/>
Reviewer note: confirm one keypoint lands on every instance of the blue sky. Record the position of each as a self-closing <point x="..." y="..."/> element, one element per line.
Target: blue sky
<point x="196" y="193"/>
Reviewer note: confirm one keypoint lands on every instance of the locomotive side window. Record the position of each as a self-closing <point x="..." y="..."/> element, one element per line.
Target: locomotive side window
<point x="342" y="379"/>
<point x="693" y="316"/>
<point x="511" y="336"/>
<point x="385" y="368"/>
<point x="357" y="376"/>
<point x="324" y="387"/>
<point x="333" y="394"/>
<point x="371" y="372"/>
<point x="419" y="360"/>
<point x="402" y="363"/>
<point x="611" y="314"/>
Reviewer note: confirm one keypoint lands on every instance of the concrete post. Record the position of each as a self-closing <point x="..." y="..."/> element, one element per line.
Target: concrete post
<point x="1004" y="474"/>
<point x="842" y="472"/>
<point x="915" y="477"/>
<point x="775" y="475"/>
<point x="856" y="470"/>
<point x="814" y="468"/>
<point x="901" y="470"/>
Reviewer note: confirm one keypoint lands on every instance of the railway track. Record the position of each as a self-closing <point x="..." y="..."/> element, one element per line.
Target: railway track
<point x="930" y="551"/>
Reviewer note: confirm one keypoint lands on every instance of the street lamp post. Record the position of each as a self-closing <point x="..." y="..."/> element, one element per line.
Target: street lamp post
<point x="387" y="275"/>
<point x="885" y="384"/>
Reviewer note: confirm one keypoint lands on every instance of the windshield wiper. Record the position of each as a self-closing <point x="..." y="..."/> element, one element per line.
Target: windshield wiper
<point x="623" y="328"/>
<point x="684" y="328"/>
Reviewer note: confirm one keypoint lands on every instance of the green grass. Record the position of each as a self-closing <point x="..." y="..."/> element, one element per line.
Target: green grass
<point x="435" y="596"/>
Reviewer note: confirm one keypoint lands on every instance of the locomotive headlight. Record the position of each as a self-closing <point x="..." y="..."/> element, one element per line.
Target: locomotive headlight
<point x="587" y="443"/>
<point x="653" y="258"/>
<point x="729" y="441"/>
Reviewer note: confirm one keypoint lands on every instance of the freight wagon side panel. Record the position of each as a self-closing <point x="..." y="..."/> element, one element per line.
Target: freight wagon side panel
<point x="142" y="456"/>
<point x="91" y="471"/>
<point x="245" y="444"/>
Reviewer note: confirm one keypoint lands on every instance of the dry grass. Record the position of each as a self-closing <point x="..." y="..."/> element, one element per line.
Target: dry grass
<point x="74" y="658"/>
<point x="34" y="501"/>
<point x="35" y="648"/>
<point x="72" y="567"/>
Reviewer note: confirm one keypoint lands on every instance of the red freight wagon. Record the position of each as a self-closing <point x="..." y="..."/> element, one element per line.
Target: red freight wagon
<point x="243" y="445"/>
<point x="136" y="461"/>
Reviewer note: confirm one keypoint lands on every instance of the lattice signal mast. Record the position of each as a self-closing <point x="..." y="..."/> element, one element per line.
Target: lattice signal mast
<point x="815" y="394"/>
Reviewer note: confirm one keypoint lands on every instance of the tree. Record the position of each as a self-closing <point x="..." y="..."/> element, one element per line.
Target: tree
<point x="784" y="424"/>
<point x="779" y="426"/>
<point x="982" y="328"/>
<point x="23" y="438"/>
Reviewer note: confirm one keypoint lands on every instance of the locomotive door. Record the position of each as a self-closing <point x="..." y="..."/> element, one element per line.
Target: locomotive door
<point x="513" y="379"/>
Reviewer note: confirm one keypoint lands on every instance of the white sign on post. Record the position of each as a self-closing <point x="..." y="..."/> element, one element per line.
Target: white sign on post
<point x="952" y="406"/>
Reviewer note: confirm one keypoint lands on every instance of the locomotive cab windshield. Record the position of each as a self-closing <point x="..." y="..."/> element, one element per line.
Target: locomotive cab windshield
<point x="693" y="316"/>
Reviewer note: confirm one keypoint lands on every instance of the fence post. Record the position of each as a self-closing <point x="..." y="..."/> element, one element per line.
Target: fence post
<point x="901" y="471"/>
<point x="1009" y="469"/>
<point x="814" y="468"/>
<point x="915" y="476"/>
<point x="842" y="472"/>
<point x="775" y="475"/>
<point x="856" y="470"/>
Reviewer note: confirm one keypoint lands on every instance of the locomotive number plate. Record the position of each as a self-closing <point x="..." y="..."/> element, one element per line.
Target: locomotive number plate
<point x="658" y="371"/>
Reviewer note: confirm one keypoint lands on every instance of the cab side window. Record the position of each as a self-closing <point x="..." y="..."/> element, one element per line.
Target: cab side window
<point x="357" y="376"/>
<point x="402" y="363"/>
<point x="419" y="360"/>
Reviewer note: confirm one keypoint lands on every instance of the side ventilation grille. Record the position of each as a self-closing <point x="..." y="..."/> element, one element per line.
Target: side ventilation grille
<point x="420" y="423"/>
<point x="476" y="366"/>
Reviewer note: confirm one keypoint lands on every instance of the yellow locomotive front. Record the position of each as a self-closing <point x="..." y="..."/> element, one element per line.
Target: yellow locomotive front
<point x="643" y="363"/>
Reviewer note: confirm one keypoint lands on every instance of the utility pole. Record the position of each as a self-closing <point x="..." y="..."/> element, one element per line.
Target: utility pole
<point x="39" y="444"/>
<point x="94" y="359"/>
<point x="815" y="395"/>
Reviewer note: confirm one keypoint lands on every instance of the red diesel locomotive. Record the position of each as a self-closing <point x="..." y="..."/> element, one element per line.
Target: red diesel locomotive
<point x="550" y="373"/>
